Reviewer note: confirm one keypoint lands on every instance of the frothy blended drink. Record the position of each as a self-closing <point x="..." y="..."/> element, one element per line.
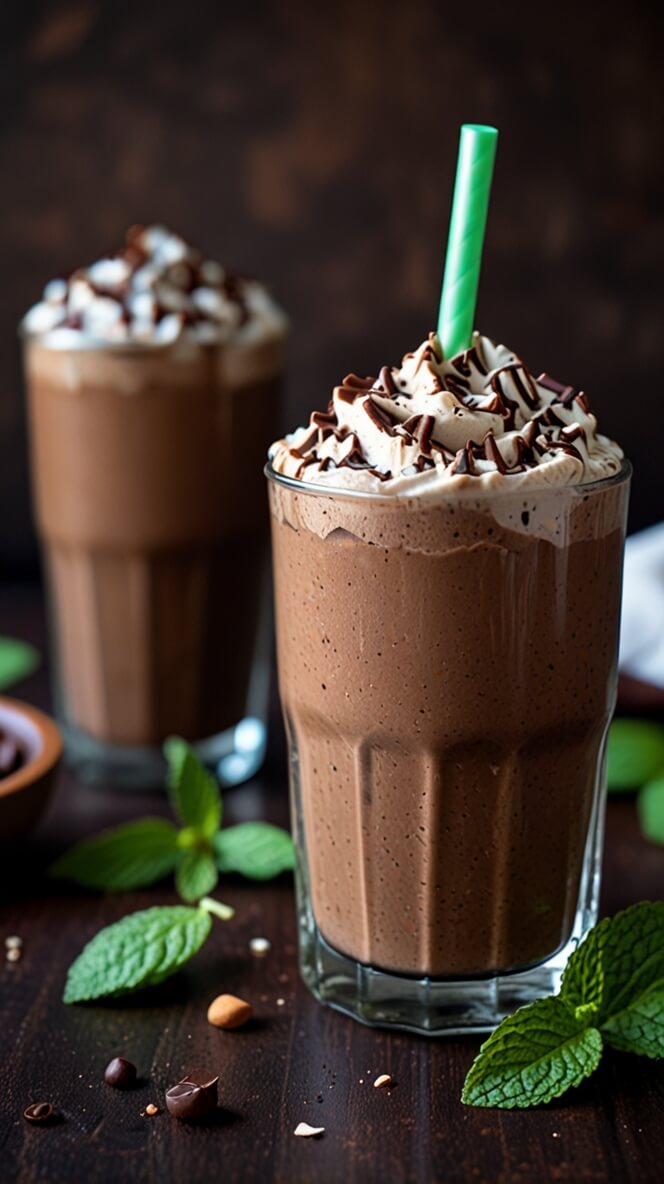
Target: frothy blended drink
<point x="144" y="370"/>
<point x="447" y="577"/>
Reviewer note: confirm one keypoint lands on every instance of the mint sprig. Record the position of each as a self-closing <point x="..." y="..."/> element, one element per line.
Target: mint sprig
<point x="533" y="1056"/>
<point x="194" y="792"/>
<point x="129" y="856"/>
<point x="650" y="806"/>
<point x="140" y="853"/>
<point x="634" y="754"/>
<point x="139" y="951"/>
<point x="620" y="969"/>
<point x="612" y="993"/>
<point x="196" y="875"/>
<point x="18" y="660"/>
<point x="256" y="850"/>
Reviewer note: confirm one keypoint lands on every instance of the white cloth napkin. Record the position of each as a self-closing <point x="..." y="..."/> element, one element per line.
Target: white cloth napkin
<point x="642" y="624"/>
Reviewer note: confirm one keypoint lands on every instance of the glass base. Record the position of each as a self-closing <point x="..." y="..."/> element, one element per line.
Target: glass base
<point x="428" y="1007"/>
<point x="235" y="755"/>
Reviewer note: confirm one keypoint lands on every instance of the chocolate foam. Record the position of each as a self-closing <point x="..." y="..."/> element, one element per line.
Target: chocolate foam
<point x="154" y="290"/>
<point x="478" y="416"/>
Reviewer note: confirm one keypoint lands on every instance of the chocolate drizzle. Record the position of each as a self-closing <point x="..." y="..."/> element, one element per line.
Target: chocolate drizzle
<point x="386" y="381"/>
<point x="380" y="417"/>
<point x="383" y="426"/>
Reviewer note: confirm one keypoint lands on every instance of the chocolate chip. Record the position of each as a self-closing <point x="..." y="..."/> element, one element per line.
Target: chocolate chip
<point x="194" y="1098"/>
<point x="39" y="1112"/>
<point x="119" y="1073"/>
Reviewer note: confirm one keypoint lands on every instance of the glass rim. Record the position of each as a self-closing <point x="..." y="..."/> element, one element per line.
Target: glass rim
<point x="442" y="495"/>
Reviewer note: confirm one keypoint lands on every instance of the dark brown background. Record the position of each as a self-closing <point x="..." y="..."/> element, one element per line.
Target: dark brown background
<point x="314" y="145"/>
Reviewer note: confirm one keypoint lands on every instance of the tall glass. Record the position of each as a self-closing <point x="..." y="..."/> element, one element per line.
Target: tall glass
<point x="155" y="565"/>
<point x="447" y="673"/>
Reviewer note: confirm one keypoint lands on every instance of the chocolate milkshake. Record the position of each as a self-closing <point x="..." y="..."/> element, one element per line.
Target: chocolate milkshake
<point x="143" y="370"/>
<point x="447" y="560"/>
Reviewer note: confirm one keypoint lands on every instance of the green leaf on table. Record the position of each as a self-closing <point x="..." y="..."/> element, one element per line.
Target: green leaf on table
<point x="533" y="1056"/>
<point x="196" y="875"/>
<point x="619" y="968"/>
<point x="141" y="950"/>
<point x="193" y="790"/>
<point x="254" y="849"/>
<point x="635" y="753"/>
<point x="126" y="857"/>
<point x="640" y="1027"/>
<point x="18" y="660"/>
<point x="650" y="805"/>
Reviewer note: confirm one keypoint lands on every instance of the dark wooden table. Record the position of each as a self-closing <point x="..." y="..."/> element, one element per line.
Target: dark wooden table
<point x="296" y="1061"/>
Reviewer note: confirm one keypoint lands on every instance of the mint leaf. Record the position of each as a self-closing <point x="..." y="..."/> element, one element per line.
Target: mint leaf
<point x="254" y="849"/>
<point x="17" y="661"/>
<point x="650" y="805"/>
<point x="635" y="753"/>
<point x="640" y="1027"/>
<point x="129" y="856"/>
<point x="194" y="792"/>
<point x="196" y="875"/>
<point x="139" y="951"/>
<point x="533" y="1056"/>
<point x="620" y="968"/>
<point x="622" y="957"/>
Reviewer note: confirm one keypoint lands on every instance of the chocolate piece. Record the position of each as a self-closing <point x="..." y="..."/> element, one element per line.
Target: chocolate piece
<point x="380" y="417"/>
<point x="120" y="1073"/>
<point x="386" y="380"/>
<point x="564" y="392"/>
<point x="492" y="452"/>
<point x="39" y="1113"/>
<point x="194" y="1097"/>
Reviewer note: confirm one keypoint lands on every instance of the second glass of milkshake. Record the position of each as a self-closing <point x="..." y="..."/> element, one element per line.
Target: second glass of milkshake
<point x="447" y="543"/>
<point x="147" y="373"/>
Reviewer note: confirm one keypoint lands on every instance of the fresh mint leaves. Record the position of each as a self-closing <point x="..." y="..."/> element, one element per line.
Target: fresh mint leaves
<point x="193" y="790"/>
<point x="130" y="856"/>
<point x="256" y="850"/>
<point x="635" y="753"/>
<point x="140" y="853"/>
<point x="18" y="659"/>
<point x="533" y="1056"/>
<point x="196" y="875"/>
<point x="650" y="805"/>
<point x="620" y="968"/>
<point x="635" y="761"/>
<point x="141" y="950"/>
<point x="612" y="993"/>
<point x="146" y="947"/>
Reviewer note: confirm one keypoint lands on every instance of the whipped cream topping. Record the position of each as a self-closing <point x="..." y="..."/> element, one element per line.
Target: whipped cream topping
<point x="153" y="290"/>
<point x="479" y="415"/>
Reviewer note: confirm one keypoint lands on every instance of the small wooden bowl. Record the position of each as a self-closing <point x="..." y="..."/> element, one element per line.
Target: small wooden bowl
<point x="25" y="793"/>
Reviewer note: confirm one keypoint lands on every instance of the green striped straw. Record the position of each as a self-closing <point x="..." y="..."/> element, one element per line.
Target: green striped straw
<point x="477" y="151"/>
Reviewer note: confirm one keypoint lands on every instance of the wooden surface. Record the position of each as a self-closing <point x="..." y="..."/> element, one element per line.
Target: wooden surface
<point x="314" y="145"/>
<point x="297" y="1061"/>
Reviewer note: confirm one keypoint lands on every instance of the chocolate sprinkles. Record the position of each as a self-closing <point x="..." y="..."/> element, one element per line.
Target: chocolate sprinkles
<point x="525" y="419"/>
